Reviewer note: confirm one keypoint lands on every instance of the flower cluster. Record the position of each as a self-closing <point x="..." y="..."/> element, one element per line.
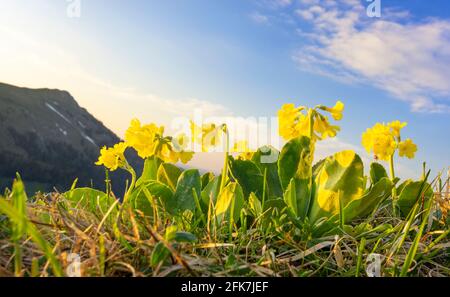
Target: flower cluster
<point x="148" y="141"/>
<point x="384" y="139"/>
<point x="302" y="121"/>
<point x="112" y="157"/>
<point x="208" y="135"/>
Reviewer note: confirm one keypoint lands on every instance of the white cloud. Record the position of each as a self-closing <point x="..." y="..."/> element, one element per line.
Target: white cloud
<point x="259" y="18"/>
<point x="408" y="60"/>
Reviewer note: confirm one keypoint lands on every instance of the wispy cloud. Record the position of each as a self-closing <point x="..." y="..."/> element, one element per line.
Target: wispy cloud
<point x="259" y="18"/>
<point x="407" y="59"/>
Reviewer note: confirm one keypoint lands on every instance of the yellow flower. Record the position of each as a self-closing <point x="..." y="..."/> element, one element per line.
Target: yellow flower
<point x="143" y="138"/>
<point x="172" y="150"/>
<point x="208" y="135"/>
<point x="167" y="154"/>
<point x="336" y="111"/>
<point x="242" y="147"/>
<point x="396" y="126"/>
<point x="113" y="157"/>
<point x="185" y="157"/>
<point x="323" y="127"/>
<point x="407" y="149"/>
<point x="384" y="146"/>
<point x="179" y="145"/>
<point x="380" y="140"/>
<point x="288" y="116"/>
<point x="302" y="126"/>
<point x="293" y="122"/>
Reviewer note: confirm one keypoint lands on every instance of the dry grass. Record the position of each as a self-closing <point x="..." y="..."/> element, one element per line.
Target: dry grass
<point x="126" y="246"/>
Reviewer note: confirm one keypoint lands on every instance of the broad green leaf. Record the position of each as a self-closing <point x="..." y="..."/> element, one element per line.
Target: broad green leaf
<point x="296" y="163"/>
<point x="377" y="172"/>
<point x="341" y="172"/>
<point x="87" y="198"/>
<point x="266" y="158"/>
<point x="183" y="199"/>
<point x="168" y="174"/>
<point x="182" y="236"/>
<point x="363" y="206"/>
<point x="160" y="253"/>
<point x="150" y="170"/>
<point x="206" y="179"/>
<point x="290" y="197"/>
<point x="411" y="192"/>
<point x="275" y="203"/>
<point x="230" y="203"/>
<point x="317" y="167"/>
<point x="141" y="197"/>
<point x="403" y="185"/>
<point x="255" y="205"/>
<point x="170" y="232"/>
<point x="248" y="176"/>
<point x="359" y="208"/>
<point x="211" y="191"/>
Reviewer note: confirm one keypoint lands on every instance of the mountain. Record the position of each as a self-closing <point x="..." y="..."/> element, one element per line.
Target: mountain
<point x="50" y="140"/>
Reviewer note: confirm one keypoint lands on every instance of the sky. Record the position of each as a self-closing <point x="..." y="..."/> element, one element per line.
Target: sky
<point x="159" y="60"/>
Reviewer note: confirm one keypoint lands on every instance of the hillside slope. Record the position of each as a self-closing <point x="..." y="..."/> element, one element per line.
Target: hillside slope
<point x="50" y="140"/>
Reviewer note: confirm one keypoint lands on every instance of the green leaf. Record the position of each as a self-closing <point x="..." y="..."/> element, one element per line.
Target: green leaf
<point x="168" y="174"/>
<point x="19" y="218"/>
<point x="91" y="199"/>
<point x="275" y="203"/>
<point x="377" y="172"/>
<point x="230" y="203"/>
<point x="140" y="199"/>
<point x="183" y="198"/>
<point x="266" y="158"/>
<point x="255" y="205"/>
<point x="170" y="232"/>
<point x="341" y="172"/>
<point x="317" y="167"/>
<point x="19" y="200"/>
<point x="363" y="206"/>
<point x="182" y="236"/>
<point x="150" y="170"/>
<point x="160" y="253"/>
<point x="206" y="179"/>
<point x="211" y="191"/>
<point x="290" y="197"/>
<point x="411" y="192"/>
<point x="295" y="163"/>
<point x="248" y="176"/>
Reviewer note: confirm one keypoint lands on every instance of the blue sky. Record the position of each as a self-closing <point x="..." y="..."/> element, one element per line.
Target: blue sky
<point x="160" y="59"/>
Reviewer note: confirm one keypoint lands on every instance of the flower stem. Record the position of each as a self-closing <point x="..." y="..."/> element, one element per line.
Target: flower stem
<point x="225" y="163"/>
<point x="394" y="189"/>
<point x="311" y="124"/>
<point x="133" y="182"/>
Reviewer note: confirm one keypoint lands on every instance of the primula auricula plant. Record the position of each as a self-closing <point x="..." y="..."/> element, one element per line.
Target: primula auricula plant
<point x="384" y="140"/>
<point x="302" y="121"/>
<point x="334" y="187"/>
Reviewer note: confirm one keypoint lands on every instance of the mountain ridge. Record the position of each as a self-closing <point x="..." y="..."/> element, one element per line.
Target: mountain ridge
<point x="51" y="140"/>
